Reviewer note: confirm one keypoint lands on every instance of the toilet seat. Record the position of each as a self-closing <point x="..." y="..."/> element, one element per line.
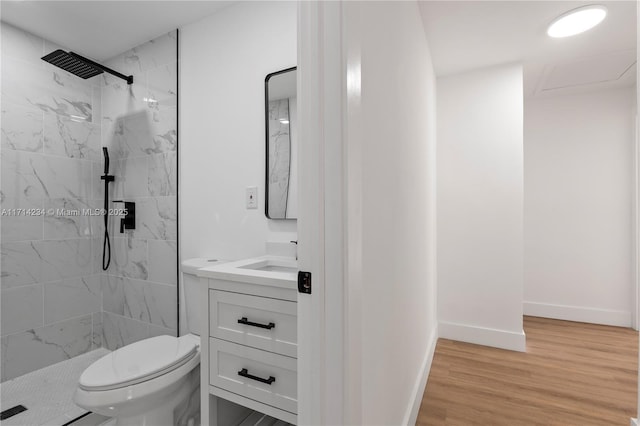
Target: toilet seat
<point x="137" y="363"/>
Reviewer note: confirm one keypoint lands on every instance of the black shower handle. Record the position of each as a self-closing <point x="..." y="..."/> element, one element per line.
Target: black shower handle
<point x="129" y="220"/>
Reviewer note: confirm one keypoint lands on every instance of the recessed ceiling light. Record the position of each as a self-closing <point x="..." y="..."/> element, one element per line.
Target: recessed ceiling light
<point x="577" y="21"/>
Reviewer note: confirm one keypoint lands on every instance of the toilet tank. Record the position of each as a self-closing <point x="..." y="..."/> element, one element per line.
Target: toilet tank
<point x="191" y="288"/>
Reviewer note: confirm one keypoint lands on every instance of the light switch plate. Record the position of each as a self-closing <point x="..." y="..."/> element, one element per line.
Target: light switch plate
<point x="252" y="197"/>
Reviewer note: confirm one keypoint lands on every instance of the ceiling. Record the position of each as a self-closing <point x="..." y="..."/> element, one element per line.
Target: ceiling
<point x="104" y="29"/>
<point x="464" y="35"/>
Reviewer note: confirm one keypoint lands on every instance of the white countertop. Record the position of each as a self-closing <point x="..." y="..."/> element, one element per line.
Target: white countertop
<point x="241" y="271"/>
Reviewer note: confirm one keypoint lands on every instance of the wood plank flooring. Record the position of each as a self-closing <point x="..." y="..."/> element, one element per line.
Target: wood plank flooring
<point x="572" y="374"/>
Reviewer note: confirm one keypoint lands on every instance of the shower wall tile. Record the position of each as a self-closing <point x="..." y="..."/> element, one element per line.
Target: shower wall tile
<point x="35" y="175"/>
<point x="43" y="346"/>
<point x="157" y="52"/>
<point x="163" y="261"/>
<point x="112" y="135"/>
<point x="21" y="228"/>
<point x="150" y="302"/>
<point x="113" y="294"/>
<point x="19" y="44"/>
<point x="96" y="330"/>
<point x="164" y="129"/>
<point x="71" y="218"/>
<point x="96" y="253"/>
<point x="118" y="331"/>
<point x="71" y="137"/>
<point x="163" y="85"/>
<point x="30" y="262"/>
<point x="154" y="331"/>
<point x="23" y="83"/>
<point x="139" y="126"/>
<point x="156" y="218"/>
<point x="163" y="174"/>
<point x="62" y="259"/>
<point x="68" y="95"/>
<point x="137" y="134"/>
<point x="141" y="300"/>
<point x="96" y="220"/>
<point x="72" y="297"/>
<point x="20" y="174"/>
<point x="21" y="127"/>
<point x="21" y="264"/>
<point x="46" y="87"/>
<point x="21" y="309"/>
<point x="119" y="99"/>
<point x="66" y="178"/>
<point x="129" y="258"/>
<point x="144" y="132"/>
<point x="132" y="176"/>
<point x="51" y="136"/>
<point x="25" y="223"/>
<point x="96" y="103"/>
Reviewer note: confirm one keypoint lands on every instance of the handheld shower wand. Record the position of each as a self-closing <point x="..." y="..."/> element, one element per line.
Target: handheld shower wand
<point x="106" y="244"/>
<point x="105" y="151"/>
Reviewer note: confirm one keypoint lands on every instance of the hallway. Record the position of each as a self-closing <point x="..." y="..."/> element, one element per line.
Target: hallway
<point x="572" y="374"/>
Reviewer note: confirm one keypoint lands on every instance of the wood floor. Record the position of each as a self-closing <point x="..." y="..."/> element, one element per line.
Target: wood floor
<point x="572" y="374"/>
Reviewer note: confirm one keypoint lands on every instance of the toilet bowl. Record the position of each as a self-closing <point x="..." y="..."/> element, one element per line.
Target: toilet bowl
<point x="153" y="382"/>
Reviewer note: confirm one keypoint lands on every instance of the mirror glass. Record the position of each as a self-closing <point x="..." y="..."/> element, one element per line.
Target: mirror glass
<point x="282" y="139"/>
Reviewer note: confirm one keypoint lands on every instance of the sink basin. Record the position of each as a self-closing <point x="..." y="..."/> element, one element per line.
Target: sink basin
<point x="271" y="265"/>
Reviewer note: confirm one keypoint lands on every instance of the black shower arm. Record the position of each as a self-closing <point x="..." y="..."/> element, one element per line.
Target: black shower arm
<point x="127" y="78"/>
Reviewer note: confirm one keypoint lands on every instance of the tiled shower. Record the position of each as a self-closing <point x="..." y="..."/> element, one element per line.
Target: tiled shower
<point x="57" y="302"/>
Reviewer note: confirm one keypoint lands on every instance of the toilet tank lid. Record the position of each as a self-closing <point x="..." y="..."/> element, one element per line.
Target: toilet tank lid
<point x="190" y="266"/>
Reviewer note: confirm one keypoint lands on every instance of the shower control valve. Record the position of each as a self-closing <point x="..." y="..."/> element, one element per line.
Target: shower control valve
<point x="129" y="220"/>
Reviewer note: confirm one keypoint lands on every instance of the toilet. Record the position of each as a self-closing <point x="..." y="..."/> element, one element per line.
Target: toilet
<point x="155" y="381"/>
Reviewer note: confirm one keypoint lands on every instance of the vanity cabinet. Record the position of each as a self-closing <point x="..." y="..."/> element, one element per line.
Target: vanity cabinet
<point x="250" y="357"/>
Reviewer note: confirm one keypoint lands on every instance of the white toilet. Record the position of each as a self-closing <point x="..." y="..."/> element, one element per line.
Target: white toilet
<point x="153" y="382"/>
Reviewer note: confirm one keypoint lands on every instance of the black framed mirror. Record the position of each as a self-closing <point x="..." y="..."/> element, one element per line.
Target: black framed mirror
<point x="281" y="119"/>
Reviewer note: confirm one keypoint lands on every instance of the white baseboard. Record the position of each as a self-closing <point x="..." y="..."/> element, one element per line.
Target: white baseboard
<point x="411" y="416"/>
<point x="579" y="314"/>
<point x="502" y="339"/>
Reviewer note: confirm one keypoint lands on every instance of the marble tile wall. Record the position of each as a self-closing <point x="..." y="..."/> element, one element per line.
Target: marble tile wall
<point x="56" y="300"/>
<point x="139" y="127"/>
<point x="51" y="298"/>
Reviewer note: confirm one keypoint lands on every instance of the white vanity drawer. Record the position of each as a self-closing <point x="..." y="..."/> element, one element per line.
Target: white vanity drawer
<point x="259" y="375"/>
<point x="260" y="322"/>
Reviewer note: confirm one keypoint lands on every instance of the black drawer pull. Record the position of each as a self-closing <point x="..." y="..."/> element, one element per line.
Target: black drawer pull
<point x="245" y="373"/>
<point x="244" y="321"/>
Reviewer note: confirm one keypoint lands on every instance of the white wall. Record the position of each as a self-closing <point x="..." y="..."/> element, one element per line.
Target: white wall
<point x="224" y="60"/>
<point x="578" y="206"/>
<point x="397" y="192"/>
<point x="480" y="191"/>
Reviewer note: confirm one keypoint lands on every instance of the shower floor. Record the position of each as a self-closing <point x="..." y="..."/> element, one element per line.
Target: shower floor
<point x="48" y="394"/>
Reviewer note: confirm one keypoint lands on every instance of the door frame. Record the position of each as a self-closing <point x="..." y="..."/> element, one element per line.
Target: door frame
<point x="321" y="219"/>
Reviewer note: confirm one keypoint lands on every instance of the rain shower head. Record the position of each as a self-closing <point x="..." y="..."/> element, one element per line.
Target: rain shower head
<point x="80" y="66"/>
